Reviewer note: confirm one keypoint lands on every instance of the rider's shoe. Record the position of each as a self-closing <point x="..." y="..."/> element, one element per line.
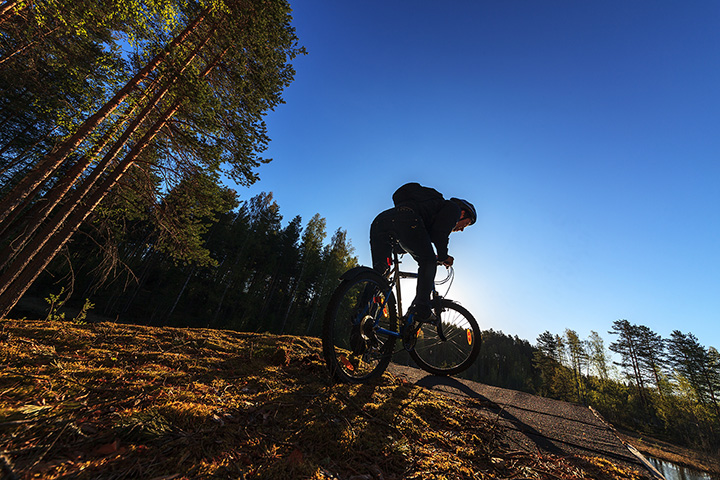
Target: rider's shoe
<point x="410" y="335"/>
<point x="419" y="314"/>
<point x="424" y="314"/>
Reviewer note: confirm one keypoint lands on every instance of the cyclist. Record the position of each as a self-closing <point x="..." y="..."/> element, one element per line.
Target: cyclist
<point x="421" y="217"/>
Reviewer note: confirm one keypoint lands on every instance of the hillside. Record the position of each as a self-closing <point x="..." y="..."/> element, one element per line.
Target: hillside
<point x="111" y="401"/>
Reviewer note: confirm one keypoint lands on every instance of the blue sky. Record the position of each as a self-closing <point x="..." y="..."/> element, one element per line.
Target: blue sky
<point x="585" y="132"/>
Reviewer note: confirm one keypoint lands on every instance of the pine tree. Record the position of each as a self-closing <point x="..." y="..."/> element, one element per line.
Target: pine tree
<point x="628" y="346"/>
<point x="578" y="361"/>
<point x="598" y="357"/>
<point x="698" y="365"/>
<point x="548" y="360"/>
<point x="651" y="356"/>
<point x="196" y="102"/>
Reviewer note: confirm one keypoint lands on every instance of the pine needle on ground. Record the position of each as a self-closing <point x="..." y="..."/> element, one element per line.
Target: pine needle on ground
<point x="115" y="401"/>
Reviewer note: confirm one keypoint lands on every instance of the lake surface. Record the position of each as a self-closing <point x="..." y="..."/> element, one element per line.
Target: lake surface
<point x="673" y="471"/>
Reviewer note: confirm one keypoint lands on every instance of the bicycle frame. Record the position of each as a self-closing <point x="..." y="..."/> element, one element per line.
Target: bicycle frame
<point x="362" y="325"/>
<point x="395" y="276"/>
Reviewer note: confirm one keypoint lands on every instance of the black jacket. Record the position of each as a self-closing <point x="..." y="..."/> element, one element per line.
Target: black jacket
<point x="438" y="215"/>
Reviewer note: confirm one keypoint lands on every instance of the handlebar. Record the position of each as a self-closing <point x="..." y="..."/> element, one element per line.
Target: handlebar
<point x="450" y="275"/>
<point x="449" y="268"/>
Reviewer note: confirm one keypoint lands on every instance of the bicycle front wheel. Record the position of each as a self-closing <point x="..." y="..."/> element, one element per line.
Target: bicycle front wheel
<point x="450" y="348"/>
<point x="354" y="350"/>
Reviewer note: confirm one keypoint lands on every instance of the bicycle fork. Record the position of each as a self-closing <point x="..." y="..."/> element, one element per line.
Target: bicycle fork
<point x="436" y="303"/>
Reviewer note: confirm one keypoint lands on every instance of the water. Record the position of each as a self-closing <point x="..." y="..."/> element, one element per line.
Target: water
<point x="673" y="471"/>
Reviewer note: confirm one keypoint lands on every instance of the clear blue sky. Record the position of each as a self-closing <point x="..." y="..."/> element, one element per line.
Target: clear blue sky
<point x="587" y="133"/>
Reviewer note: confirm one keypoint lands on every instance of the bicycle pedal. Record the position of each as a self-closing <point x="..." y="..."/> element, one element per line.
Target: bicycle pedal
<point x="410" y="336"/>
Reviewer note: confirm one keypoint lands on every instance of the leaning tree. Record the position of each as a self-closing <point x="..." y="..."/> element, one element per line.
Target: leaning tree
<point x="202" y="73"/>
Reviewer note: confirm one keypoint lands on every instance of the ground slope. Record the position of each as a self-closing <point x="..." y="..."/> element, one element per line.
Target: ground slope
<point x="111" y="401"/>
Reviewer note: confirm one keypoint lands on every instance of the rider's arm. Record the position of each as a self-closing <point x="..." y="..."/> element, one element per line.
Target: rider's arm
<point x="443" y="224"/>
<point x="448" y="262"/>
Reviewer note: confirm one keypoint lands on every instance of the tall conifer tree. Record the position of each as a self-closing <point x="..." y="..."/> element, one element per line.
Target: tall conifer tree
<point x="216" y="66"/>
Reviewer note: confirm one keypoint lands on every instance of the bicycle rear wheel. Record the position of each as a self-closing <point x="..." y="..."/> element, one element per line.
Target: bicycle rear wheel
<point x="353" y="350"/>
<point x="459" y="349"/>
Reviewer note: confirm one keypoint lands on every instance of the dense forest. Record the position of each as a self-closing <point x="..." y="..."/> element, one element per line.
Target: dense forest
<point x="256" y="275"/>
<point x="118" y="121"/>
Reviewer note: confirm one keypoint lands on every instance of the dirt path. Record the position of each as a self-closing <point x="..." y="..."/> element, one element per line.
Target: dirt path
<point x="535" y="423"/>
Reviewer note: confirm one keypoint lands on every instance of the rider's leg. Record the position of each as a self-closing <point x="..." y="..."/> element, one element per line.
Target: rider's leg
<point x="416" y="241"/>
<point x="381" y="238"/>
<point x="427" y="266"/>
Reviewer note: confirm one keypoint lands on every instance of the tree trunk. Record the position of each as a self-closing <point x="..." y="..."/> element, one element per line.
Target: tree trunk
<point x="318" y="297"/>
<point x="147" y="265"/>
<point x="40" y="210"/>
<point x="20" y="49"/>
<point x="76" y="197"/>
<point x="229" y="281"/>
<point x="6" y="10"/>
<point x="26" y="250"/>
<point x="56" y="194"/>
<point x="268" y="298"/>
<point x="638" y="375"/>
<point x="711" y="389"/>
<point x="177" y="298"/>
<point x="20" y="158"/>
<point x="25" y="270"/>
<point x="52" y="161"/>
<point x="293" y="293"/>
<point x="9" y="142"/>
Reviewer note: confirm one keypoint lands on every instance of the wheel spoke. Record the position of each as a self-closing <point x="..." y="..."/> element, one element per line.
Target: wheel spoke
<point x="461" y="345"/>
<point x="352" y="349"/>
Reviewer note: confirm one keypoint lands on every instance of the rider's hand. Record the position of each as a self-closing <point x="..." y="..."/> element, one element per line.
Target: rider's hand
<point x="448" y="261"/>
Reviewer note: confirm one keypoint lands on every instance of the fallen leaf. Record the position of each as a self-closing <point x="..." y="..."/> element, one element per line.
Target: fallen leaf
<point x="296" y="457"/>
<point x="107" y="449"/>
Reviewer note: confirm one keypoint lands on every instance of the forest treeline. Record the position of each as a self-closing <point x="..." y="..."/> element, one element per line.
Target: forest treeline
<point x="255" y="274"/>
<point x="668" y="388"/>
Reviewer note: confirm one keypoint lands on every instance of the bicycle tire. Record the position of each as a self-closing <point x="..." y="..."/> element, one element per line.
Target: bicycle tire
<point x="353" y="351"/>
<point x="461" y="347"/>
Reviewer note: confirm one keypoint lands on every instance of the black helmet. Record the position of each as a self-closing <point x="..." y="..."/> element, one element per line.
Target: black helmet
<point x="468" y="207"/>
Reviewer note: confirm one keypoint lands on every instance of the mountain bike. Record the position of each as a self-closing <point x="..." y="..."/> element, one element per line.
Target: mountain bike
<point x="365" y="318"/>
